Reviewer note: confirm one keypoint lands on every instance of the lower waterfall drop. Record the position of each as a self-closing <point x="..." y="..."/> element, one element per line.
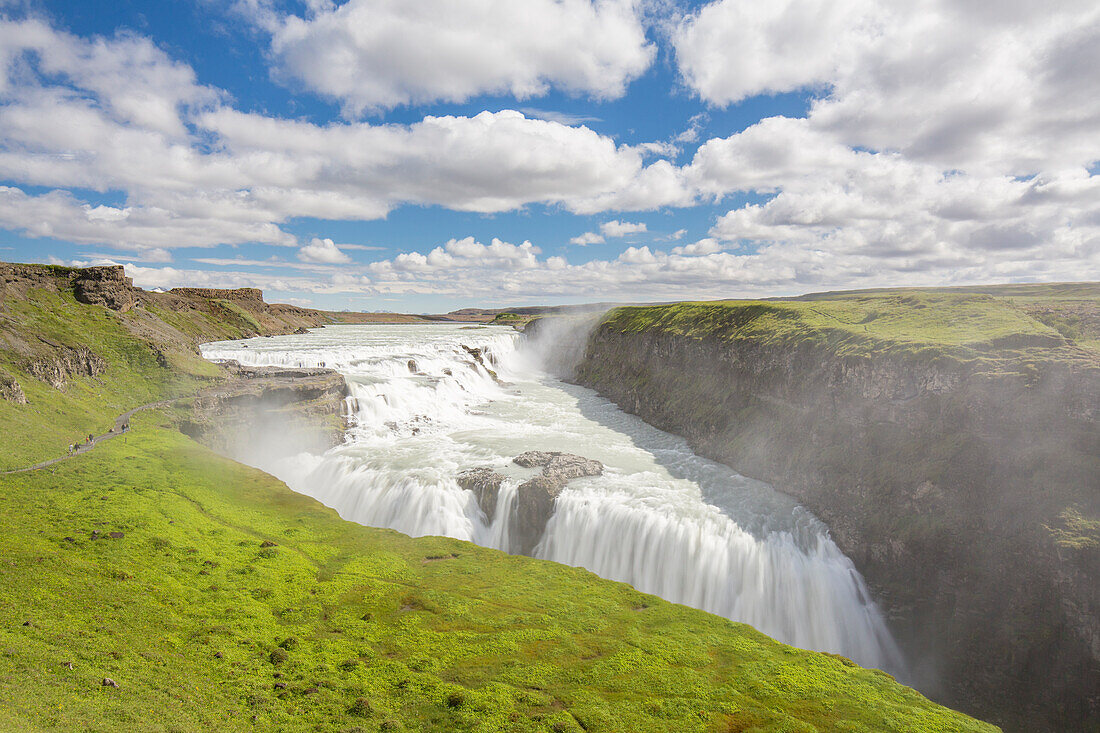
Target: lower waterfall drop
<point x="430" y="401"/>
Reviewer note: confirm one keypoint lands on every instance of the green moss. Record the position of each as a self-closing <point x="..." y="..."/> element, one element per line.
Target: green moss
<point x="246" y="317"/>
<point x="1077" y="532"/>
<point x="925" y="326"/>
<point x="54" y="418"/>
<point x="483" y="641"/>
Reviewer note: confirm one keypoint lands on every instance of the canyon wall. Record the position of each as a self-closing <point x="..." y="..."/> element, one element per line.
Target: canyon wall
<point x="964" y="489"/>
<point x="264" y="413"/>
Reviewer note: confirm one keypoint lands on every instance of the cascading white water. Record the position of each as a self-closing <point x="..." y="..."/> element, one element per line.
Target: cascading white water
<point x="660" y="518"/>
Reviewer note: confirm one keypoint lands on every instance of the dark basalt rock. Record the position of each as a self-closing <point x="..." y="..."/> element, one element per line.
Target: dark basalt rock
<point x="107" y="286"/>
<point x="236" y="418"/>
<point x="945" y="481"/>
<point x="479" y="357"/>
<point x="160" y="356"/>
<point x="535" y="498"/>
<point x="485" y="484"/>
<point x="559" y="466"/>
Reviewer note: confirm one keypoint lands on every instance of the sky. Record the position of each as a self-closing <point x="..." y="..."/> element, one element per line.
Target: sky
<point x="431" y="155"/>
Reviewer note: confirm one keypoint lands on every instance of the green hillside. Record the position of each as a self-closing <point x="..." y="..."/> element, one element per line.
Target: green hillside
<point x="217" y="599"/>
<point x="959" y="324"/>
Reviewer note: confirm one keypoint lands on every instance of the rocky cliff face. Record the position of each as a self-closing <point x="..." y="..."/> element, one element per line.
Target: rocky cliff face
<point x="64" y="363"/>
<point x="107" y="286"/>
<point x="246" y="295"/>
<point x="270" y="412"/>
<point x="210" y="314"/>
<point x="964" y="494"/>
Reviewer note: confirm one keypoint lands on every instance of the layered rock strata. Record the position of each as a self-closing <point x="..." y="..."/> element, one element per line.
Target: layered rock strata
<point x="270" y="412"/>
<point x="965" y="494"/>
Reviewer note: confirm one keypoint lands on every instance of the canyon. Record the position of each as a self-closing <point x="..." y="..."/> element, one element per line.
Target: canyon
<point x="906" y="479"/>
<point x="961" y="479"/>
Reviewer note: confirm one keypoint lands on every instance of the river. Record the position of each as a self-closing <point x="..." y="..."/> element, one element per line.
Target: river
<point x="660" y="517"/>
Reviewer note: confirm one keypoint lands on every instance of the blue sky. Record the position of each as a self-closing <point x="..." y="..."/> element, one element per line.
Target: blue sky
<point x="376" y="154"/>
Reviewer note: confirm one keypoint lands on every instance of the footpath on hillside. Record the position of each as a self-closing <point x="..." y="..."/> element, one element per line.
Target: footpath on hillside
<point x="251" y="378"/>
<point x="120" y="422"/>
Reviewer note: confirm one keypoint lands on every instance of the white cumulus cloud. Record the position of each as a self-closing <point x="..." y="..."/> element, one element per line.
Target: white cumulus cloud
<point x="377" y="54"/>
<point x="197" y="172"/>
<point x="587" y="238"/>
<point x="616" y="228"/>
<point x="323" y="251"/>
<point x="1007" y="88"/>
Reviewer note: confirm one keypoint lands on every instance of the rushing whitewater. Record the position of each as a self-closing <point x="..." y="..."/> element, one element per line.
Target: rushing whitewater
<point x="660" y="518"/>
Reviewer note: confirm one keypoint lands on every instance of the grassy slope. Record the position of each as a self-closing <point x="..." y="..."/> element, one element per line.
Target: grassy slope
<point x="476" y="640"/>
<point x="934" y="324"/>
<point x="53" y="419"/>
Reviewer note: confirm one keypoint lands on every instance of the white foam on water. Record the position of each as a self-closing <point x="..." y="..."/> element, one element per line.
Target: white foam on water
<point x="660" y="517"/>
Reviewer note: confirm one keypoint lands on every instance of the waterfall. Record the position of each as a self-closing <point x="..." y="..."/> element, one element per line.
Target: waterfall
<point x="424" y="408"/>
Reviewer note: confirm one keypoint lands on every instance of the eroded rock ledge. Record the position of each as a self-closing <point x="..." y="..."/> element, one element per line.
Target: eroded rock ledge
<point x="945" y="481"/>
<point x="67" y="362"/>
<point x="270" y="410"/>
<point x="534" y="498"/>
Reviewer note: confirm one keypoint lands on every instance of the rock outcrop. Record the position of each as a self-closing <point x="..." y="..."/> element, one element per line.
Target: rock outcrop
<point x="485" y="485"/>
<point x="561" y="467"/>
<point x="11" y="391"/>
<point x="246" y="295"/>
<point x="65" y="364"/>
<point x="479" y="357"/>
<point x="535" y="498"/>
<point x="105" y="285"/>
<point x="268" y="412"/>
<point x="947" y="482"/>
<point x="534" y="503"/>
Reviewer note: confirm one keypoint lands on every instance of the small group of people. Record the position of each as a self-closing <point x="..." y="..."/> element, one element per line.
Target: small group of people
<point x="75" y="447"/>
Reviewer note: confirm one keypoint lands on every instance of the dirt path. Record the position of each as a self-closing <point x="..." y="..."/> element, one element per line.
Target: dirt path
<point x="83" y="448"/>
<point x="260" y="378"/>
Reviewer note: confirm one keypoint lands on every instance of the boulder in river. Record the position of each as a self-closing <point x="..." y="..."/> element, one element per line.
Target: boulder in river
<point x="563" y="466"/>
<point x="535" y="498"/>
<point x="485" y="484"/>
<point x="477" y="354"/>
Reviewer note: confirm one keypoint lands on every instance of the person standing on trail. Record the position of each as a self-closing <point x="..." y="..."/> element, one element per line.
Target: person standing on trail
<point x="91" y="437"/>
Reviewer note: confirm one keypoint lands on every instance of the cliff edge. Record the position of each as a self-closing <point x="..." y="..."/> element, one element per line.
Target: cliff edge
<point x="949" y="439"/>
